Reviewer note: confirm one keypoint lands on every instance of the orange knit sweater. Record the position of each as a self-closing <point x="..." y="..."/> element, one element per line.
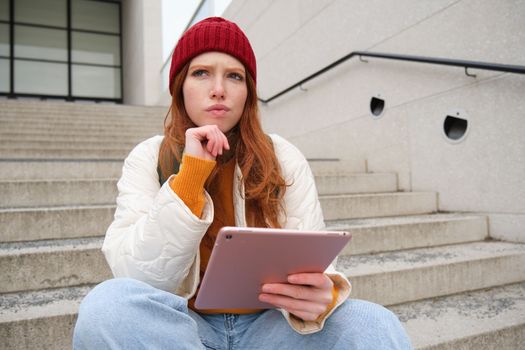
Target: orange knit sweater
<point x="188" y="184"/>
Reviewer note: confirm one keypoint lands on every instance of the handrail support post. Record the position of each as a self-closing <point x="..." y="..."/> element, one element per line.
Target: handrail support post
<point x="468" y="74"/>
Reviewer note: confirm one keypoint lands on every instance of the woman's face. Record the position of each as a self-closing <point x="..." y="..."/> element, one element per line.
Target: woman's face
<point x="215" y="90"/>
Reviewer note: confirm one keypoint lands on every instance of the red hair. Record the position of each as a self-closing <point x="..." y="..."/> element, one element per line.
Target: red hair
<point x="264" y="186"/>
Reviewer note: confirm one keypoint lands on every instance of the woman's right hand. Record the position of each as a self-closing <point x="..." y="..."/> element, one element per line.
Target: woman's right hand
<point x="205" y="142"/>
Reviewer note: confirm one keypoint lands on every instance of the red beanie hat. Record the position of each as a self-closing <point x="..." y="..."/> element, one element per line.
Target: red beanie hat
<point x="213" y="34"/>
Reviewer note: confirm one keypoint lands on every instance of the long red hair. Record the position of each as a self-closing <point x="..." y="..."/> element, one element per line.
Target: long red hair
<point x="264" y="186"/>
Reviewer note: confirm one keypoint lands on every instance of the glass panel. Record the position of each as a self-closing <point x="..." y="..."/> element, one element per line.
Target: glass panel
<point x="96" y="81"/>
<point x="4" y="10"/>
<point x="4" y="39"/>
<point x="96" y="48"/>
<point x="220" y="6"/>
<point x="165" y="73"/>
<point x="46" y="12"/>
<point x="95" y="15"/>
<point x="40" y="43"/>
<point x="204" y="11"/>
<point x="4" y="75"/>
<point x="40" y="78"/>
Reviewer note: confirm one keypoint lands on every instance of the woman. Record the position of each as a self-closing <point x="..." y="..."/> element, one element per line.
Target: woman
<point x="229" y="174"/>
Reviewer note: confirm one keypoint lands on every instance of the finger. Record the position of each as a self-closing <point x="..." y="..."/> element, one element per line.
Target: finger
<point x="210" y="145"/>
<point x="215" y="145"/>
<point x="299" y="292"/>
<point x="220" y="146"/>
<point x="224" y="141"/>
<point x="212" y="140"/>
<point x="288" y="303"/>
<point x="218" y="138"/>
<point x="317" y="280"/>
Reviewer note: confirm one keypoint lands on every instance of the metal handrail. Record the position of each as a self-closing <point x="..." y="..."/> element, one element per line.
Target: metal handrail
<point x="441" y="61"/>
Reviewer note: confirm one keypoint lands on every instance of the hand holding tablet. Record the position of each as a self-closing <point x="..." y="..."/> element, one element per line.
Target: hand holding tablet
<point x="306" y="295"/>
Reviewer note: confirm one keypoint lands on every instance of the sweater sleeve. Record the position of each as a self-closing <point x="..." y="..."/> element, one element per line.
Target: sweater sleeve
<point x="188" y="184"/>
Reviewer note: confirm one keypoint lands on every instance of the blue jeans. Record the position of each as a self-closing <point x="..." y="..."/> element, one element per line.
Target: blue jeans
<point x="127" y="314"/>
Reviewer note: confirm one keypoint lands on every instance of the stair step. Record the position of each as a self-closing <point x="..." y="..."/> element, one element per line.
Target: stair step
<point x="79" y="137"/>
<point x="336" y="166"/>
<point x="486" y="319"/>
<point x="402" y="276"/>
<point x="61" y="153"/>
<point x="355" y="183"/>
<point x="50" y="264"/>
<point x="28" y="224"/>
<point x="337" y="207"/>
<point x="80" y="116"/>
<point x="77" y="134"/>
<point x="57" y="108"/>
<point x="39" y="319"/>
<point x="26" y="169"/>
<point x="25" y="193"/>
<point x="405" y="232"/>
<point x="79" y="121"/>
<point x="52" y="144"/>
<point x="78" y="128"/>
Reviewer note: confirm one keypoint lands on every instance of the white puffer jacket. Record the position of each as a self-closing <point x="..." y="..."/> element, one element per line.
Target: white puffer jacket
<point x="155" y="237"/>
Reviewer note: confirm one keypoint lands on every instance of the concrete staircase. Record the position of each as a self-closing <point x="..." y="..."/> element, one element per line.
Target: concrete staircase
<point x="59" y="164"/>
<point x="452" y="286"/>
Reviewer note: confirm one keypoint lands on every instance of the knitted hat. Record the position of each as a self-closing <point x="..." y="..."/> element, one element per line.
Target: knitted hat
<point x="213" y="34"/>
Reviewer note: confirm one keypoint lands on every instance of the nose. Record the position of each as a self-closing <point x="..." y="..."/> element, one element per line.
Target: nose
<point x="218" y="91"/>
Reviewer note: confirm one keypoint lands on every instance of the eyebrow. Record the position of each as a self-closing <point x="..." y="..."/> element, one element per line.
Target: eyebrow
<point x="240" y="69"/>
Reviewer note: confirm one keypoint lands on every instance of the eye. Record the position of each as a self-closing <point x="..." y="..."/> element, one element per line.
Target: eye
<point x="199" y="73"/>
<point x="236" y="76"/>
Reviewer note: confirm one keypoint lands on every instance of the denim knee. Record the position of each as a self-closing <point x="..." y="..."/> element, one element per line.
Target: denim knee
<point x="104" y="304"/>
<point x="110" y="294"/>
<point x="362" y="311"/>
<point x="112" y="302"/>
<point x="364" y="324"/>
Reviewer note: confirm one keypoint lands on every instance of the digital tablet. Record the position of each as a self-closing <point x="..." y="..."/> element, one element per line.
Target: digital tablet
<point x="243" y="259"/>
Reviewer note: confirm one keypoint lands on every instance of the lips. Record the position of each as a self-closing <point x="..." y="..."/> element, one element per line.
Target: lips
<point x="218" y="110"/>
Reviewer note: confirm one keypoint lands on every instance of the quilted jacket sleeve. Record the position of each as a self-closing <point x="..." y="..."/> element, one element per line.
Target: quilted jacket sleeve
<point x="303" y="211"/>
<point x="154" y="236"/>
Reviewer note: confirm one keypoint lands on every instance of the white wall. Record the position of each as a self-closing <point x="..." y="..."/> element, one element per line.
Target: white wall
<point x="142" y="51"/>
<point x="484" y="173"/>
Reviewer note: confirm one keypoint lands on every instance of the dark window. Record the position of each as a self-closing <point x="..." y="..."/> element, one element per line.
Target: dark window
<point x="61" y="48"/>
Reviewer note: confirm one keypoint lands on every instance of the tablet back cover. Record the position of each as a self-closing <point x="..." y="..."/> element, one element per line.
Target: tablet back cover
<point x="245" y="258"/>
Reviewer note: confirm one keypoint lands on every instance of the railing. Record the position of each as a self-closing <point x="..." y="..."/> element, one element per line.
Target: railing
<point x="441" y="61"/>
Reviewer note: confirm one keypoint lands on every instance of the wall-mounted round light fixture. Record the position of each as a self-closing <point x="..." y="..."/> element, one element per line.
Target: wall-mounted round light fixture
<point x="377" y="105"/>
<point x="456" y="126"/>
